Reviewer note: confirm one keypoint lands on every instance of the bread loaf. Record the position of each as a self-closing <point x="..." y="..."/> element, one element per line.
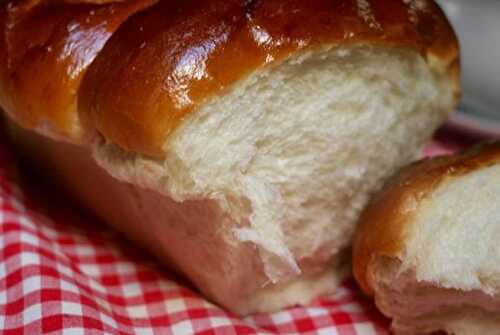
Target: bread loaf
<point x="243" y="137"/>
<point x="426" y="248"/>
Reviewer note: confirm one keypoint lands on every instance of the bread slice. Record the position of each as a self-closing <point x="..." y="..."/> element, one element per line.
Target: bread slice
<point x="244" y="137"/>
<point x="426" y="247"/>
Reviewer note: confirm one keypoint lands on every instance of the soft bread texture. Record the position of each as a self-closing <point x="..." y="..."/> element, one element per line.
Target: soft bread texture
<point x="244" y="138"/>
<point x="426" y="245"/>
<point x="344" y="116"/>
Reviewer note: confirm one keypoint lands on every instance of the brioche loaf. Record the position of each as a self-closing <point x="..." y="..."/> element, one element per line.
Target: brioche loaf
<point x="243" y="137"/>
<point x="427" y="245"/>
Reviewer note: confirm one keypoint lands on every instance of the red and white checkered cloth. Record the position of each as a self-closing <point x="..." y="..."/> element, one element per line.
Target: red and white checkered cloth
<point x="61" y="271"/>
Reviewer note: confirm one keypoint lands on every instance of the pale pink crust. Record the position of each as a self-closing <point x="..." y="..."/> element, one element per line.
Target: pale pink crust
<point x="164" y="62"/>
<point x="192" y="237"/>
<point x="383" y="224"/>
<point x="45" y="49"/>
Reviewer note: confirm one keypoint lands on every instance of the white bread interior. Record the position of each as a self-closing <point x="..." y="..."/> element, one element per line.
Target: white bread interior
<point x="257" y="198"/>
<point x="448" y="277"/>
<point x="459" y="225"/>
<point x="293" y="152"/>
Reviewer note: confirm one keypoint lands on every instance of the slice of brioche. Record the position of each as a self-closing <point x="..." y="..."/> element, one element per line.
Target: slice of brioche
<point x="249" y="134"/>
<point x="427" y="247"/>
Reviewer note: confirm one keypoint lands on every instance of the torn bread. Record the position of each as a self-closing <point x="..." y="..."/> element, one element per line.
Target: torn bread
<point x="427" y="245"/>
<point x="241" y="139"/>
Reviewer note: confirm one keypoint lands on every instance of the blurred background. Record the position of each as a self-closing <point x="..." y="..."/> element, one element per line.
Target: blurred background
<point x="477" y="23"/>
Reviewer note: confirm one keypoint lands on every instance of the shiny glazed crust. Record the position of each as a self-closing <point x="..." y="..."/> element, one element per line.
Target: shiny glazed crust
<point x="384" y="224"/>
<point x="45" y="49"/>
<point x="165" y="61"/>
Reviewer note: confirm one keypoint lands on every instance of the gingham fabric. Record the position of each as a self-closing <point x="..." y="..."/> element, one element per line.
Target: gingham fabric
<point x="62" y="271"/>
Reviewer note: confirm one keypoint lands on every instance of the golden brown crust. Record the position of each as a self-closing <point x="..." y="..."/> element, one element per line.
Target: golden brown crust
<point x="167" y="60"/>
<point x="25" y="6"/>
<point x="385" y="221"/>
<point x="46" y="48"/>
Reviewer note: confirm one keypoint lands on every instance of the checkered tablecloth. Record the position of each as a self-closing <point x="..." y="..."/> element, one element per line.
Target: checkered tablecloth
<point x="63" y="271"/>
